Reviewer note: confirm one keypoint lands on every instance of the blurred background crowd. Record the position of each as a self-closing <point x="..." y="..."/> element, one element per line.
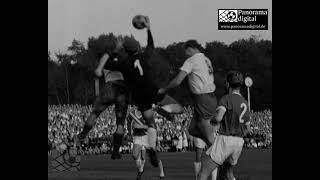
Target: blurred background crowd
<point x="66" y="121"/>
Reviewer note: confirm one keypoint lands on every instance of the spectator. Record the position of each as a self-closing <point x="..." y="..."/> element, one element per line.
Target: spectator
<point x="66" y="121"/>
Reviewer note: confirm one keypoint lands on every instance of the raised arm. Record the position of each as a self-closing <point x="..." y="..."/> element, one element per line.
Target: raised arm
<point x="150" y="45"/>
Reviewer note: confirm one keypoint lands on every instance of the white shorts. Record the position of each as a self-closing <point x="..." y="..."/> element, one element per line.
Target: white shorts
<point x="199" y="143"/>
<point x="141" y="140"/>
<point x="226" y="148"/>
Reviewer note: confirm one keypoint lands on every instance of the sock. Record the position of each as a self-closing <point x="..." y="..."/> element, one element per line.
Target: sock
<point x="161" y="169"/>
<point x="197" y="167"/>
<point x="214" y="174"/>
<point x="117" y="141"/>
<point x="86" y="129"/>
<point x="138" y="164"/>
<point x="152" y="137"/>
<point x="142" y="165"/>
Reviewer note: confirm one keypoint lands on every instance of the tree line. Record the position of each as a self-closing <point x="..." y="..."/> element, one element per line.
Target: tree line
<point x="71" y="77"/>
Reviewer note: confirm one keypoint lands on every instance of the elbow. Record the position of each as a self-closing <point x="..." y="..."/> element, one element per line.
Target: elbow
<point x="98" y="73"/>
<point x="177" y="83"/>
<point x="218" y="119"/>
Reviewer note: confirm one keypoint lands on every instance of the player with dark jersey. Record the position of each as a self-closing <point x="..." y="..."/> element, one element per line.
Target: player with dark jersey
<point x="234" y="120"/>
<point x="137" y="72"/>
<point x="114" y="92"/>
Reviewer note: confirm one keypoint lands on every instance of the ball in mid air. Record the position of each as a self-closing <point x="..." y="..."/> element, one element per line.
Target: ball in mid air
<point x="138" y="21"/>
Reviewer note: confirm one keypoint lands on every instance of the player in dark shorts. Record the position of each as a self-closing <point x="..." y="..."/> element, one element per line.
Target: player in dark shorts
<point x="234" y="120"/>
<point x="137" y="71"/>
<point x="113" y="92"/>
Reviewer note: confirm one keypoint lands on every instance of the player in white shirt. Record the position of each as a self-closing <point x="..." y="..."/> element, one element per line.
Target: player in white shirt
<point x="199" y="70"/>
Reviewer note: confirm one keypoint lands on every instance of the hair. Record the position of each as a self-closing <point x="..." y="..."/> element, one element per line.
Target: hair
<point x="235" y="79"/>
<point x="193" y="44"/>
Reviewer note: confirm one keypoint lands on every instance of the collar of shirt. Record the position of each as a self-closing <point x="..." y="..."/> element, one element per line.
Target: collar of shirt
<point x="236" y="93"/>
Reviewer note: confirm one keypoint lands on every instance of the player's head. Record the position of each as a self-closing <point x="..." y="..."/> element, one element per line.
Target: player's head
<point x="192" y="47"/>
<point x="234" y="80"/>
<point x="131" y="46"/>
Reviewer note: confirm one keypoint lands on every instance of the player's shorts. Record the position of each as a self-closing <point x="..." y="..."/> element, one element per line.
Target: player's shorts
<point x="226" y="148"/>
<point x="199" y="143"/>
<point x="205" y="106"/>
<point x="141" y="140"/>
<point x="144" y="97"/>
<point x="109" y="94"/>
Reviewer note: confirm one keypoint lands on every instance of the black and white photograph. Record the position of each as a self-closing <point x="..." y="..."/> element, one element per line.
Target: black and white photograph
<point x="166" y="90"/>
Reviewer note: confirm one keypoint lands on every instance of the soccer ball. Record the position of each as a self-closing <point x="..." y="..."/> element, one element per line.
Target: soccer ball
<point x="138" y="21"/>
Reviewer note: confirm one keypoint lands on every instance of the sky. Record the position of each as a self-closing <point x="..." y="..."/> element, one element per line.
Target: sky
<point x="171" y="20"/>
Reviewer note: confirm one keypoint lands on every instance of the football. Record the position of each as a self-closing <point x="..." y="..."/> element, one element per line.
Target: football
<point x="138" y="21"/>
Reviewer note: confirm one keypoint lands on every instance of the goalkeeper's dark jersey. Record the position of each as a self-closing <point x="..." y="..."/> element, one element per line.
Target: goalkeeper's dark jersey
<point x="138" y="76"/>
<point x="236" y="116"/>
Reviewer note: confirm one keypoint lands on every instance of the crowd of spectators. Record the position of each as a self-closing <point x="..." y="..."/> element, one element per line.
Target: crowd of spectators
<point x="66" y="121"/>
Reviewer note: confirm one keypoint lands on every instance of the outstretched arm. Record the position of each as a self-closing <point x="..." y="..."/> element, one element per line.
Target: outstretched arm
<point x="175" y="82"/>
<point x="150" y="45"/>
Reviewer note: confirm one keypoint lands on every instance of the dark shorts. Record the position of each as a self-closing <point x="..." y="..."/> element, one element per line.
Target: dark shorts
<point x="114" y="92"/>
<point x="145" y="97"/>
<point x="204" y="106"/>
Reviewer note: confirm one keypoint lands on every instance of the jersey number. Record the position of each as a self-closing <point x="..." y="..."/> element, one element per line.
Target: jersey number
<point x="244" y="106"/>
<point x="137" y="65"/>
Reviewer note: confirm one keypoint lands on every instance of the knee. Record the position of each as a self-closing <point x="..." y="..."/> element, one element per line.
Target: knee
<point x="95" y="113"/>
<point x="202" y="176"/>
<point x="92" y="119"/>
<point x="135" y="156"/>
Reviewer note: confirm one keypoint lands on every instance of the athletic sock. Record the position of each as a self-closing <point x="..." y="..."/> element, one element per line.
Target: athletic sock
<point x="117" y="141"/>
<point x="214" y="174"/>
<point x="152" y="137"/>
<point x="161" y="169"/>
<point x="142" y="165"/>
<point x="197" y="167"/>
<point x="86" y="129"/>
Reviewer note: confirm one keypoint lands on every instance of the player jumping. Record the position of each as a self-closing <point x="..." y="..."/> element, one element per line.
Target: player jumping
<point x="114" y="92"/>
<point x="199" y="70"/>
<point x="233" y="116"/>
<point x="137" y="72"/>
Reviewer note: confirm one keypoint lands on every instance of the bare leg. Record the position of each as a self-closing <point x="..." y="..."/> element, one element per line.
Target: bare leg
<point x="121" y="107"/>
<point x="136" y="153"/>
<point x="197" y="163"/>
<point x="105" y="99"/>
<point x="152" y="136"/>
<point x="229" y="171"/>
<point x="208" y="165"/>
